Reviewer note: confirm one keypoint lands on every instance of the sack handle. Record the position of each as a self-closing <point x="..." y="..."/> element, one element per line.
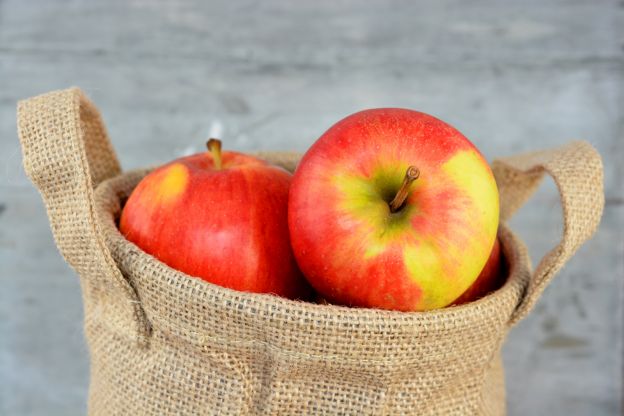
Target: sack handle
<point x="66" y="153"/>
<point x="577" y="170"/>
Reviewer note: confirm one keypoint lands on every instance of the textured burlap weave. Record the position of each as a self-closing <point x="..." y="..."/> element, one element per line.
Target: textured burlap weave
<point x="163" y="343"/>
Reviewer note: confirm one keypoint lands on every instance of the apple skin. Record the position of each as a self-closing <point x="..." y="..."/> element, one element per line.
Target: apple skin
<point x="490" y="278"/>
<point x="227" y="226"/>
<point x="354" y="250"/>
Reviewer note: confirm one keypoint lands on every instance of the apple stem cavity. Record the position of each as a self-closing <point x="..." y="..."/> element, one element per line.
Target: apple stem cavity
<point x="214" y="146"/>
<point x="411" y="175"/>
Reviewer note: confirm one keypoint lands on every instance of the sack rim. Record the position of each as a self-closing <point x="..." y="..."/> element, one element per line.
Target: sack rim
<point x="108" y="205"/>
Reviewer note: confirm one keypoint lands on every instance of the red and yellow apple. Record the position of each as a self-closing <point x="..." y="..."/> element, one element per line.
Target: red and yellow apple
<point x="490" y="278"/>
<point x="394" y="209"/>
<point x="219" y="217"/>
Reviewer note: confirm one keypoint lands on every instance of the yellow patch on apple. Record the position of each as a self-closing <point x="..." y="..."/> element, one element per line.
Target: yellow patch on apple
<point x="173" y="183"/>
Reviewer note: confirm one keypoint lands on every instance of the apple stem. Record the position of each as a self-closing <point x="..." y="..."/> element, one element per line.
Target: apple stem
<point x="214" y="145"/>
<point x="411" y="175"/>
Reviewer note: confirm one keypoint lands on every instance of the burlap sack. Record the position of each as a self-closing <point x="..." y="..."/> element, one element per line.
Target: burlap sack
<point x="163" y="343"/>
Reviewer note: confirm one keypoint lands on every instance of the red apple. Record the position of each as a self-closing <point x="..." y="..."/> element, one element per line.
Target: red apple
<point x="490" y="278"/>
<point x="393" y="209"/>
<point x="219" y="217"/>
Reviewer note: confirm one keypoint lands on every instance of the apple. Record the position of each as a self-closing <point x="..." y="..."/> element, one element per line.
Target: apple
<point x="490" y="278"/>
<point x="394" y="209"/>
<point x="221" y="217"/>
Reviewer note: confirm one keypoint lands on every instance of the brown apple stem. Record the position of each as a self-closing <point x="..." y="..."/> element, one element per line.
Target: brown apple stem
<point x="411" y="175"/>
<point x="214" y="145"/>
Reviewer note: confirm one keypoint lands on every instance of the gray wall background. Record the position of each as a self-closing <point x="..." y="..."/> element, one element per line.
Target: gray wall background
<point x="513" y="76"/>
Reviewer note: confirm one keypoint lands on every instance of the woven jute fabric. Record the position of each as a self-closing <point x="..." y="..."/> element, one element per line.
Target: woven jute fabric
<point x="164" y="343"/>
